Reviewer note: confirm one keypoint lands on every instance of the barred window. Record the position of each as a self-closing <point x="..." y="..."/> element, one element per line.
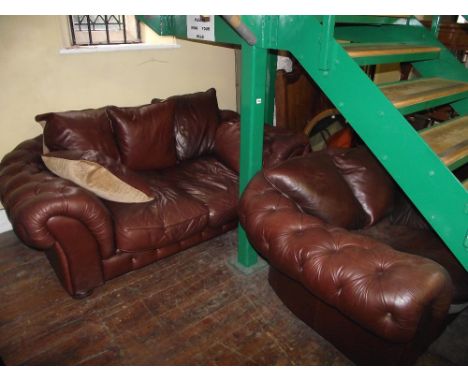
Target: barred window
<point x="104" y="29"/>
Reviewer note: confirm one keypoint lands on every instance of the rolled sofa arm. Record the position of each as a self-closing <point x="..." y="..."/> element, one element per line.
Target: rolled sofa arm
<point x="279" y="143"/>
<point x="32" y="195"/>
<point x="390" y="293"/>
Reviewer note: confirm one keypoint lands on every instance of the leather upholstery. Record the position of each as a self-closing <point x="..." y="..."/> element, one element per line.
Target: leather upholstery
<point x="211" y="184"/>
<point x="309" y="182"/>
<point x="278" y="144"/>
<point x="81" y="130"/>
<point x="386" y="289"/>
<point x="195" y="124"/>
<point x="32" y="195"/>
<point x="89" y="240"/>
<point x="364" y="175"/>
<point x="145" y="135"/>
<point x="171" y="216"/>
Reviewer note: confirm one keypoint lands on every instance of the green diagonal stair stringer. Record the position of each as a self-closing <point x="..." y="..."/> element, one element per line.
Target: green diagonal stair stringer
<point x="434" y="190"/>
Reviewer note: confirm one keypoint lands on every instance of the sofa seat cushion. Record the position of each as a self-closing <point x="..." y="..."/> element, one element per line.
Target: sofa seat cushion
<point x="212" y="184"/>
<point x="425" y="243"/>
<point x="172" y="216"/>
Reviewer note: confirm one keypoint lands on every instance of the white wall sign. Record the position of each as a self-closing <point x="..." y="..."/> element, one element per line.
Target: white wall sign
<point x="200" y="27"/>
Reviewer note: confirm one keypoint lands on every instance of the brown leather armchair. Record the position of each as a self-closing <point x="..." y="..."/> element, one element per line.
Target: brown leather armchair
<point x="183" y="151"/>
<point x="350" y="255"/>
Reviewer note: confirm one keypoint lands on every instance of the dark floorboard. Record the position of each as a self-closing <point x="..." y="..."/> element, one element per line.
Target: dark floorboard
<point x="192" y="308"/>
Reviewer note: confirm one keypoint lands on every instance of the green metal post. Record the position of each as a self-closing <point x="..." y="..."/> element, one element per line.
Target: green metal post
<point x="270" y="87"/>
<point x="253" y="82"/>
<point x="326" y="40"/>
<point x="435" y="26"/>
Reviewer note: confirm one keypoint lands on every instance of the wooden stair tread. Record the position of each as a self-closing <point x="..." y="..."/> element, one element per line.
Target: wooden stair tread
<point x="407" y="93"/>
<point x="382" y="49"/>
<point x="449" y="140"/>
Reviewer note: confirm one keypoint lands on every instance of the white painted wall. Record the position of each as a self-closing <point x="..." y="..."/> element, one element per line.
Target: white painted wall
<point x="35" y="78"/>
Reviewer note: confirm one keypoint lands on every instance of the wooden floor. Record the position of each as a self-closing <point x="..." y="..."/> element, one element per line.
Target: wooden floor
<point x="192" y="308"/>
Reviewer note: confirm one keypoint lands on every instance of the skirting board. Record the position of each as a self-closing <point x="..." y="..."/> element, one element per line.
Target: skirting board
<point x="4" y="222"/>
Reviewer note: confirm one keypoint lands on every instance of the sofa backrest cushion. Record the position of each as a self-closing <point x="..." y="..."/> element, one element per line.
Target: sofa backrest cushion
<point x="82" y="130"/>
<point x="145" y="135"/>
<point x="99" y="174"/>
<point x="196" y="119"/>
<point x="279" y="144"/>
<point x="315" y="185"/>
<point x="368" y="180"/>
<point x="405" y="213"/>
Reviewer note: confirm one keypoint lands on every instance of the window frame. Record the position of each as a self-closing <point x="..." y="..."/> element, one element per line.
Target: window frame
<point x="91" y="27"/>
<point x="149" y="41"/>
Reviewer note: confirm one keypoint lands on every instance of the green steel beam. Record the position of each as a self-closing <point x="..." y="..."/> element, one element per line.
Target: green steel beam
<point x="434" y="190"/>
<point x="415" y="33"/>
<point x="253" y="83"/>
<point x="270" y="87"/>
<point x="326" y="39"/>
<point x="461" y="107"/>
<point x="435" y="25"/>
<point x="162" y="25"/>
<point x="177" y="26"/>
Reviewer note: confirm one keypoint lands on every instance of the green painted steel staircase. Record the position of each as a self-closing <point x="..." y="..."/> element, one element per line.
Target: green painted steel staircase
<point x="332" y="49"/>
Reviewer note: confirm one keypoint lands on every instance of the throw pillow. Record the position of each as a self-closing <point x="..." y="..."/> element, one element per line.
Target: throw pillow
<point x="99" y="174"/>
<point x="82" y="130"/>
<point x="196" y="119"/>
<point x="145" y="135"/>
<point x="368" y="180"/>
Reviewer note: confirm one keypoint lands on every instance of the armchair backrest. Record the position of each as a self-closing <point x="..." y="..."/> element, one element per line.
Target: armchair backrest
<point x="345" y="188"/>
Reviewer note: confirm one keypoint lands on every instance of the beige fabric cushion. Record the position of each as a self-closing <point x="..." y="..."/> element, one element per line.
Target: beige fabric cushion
<point x="98" y="174"/>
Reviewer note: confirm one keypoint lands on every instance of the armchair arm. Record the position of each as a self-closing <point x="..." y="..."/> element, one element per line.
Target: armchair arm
<point x="279" y="144"/>
<point x="388" y="292"/>
<point x="32" y="196"/>
<point x="228" y="115"/>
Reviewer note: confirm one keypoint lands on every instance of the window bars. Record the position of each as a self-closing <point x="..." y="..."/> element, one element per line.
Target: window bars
<point x="104" y="29"/>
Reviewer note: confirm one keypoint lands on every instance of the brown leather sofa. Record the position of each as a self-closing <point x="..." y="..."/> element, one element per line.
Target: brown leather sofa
<point x="183" y="151"/>
<point x="351" y="257"/>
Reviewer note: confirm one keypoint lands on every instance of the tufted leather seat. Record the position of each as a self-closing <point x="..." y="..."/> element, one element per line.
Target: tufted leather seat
<point x="211" y="184"/>
<point x="89" y="240"/>
<point x="350" y="255"/>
